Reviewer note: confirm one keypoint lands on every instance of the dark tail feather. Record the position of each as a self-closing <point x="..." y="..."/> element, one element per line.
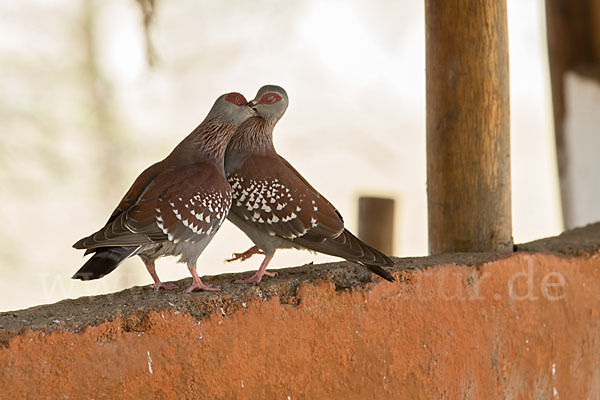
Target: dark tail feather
<point x="379" y="271"/>
<point x="348" y="246"/>
<point x="103" y="262"/>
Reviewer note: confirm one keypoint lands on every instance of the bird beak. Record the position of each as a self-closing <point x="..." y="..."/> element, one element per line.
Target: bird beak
<point x="252" y="104"/>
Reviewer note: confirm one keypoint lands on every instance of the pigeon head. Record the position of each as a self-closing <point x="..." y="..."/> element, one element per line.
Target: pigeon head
<point x="232" y="107"/>
<point x="270" y="102"/>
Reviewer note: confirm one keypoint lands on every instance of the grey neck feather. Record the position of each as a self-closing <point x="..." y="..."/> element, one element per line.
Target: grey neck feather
<point x="254" y="136"/>
<point x="207" y="142"/>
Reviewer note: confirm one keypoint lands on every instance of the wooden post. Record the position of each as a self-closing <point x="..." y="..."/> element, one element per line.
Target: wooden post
<point x="573" y="30"/>
<point x="376" y="223"/>
<point x="468" y="131"/>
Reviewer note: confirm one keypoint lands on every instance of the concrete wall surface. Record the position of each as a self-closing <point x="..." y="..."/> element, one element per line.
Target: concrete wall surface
<point x="461" y="326"/>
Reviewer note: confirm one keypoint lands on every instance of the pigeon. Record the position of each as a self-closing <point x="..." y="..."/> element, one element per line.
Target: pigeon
<point x="175" y="207"/>
<point x="275" y="206"/>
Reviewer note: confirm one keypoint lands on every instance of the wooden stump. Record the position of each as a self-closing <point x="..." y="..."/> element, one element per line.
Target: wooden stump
<point x="376" y="223"/>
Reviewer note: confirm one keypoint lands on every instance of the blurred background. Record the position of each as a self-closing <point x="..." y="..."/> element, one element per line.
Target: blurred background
<point x="87" y="102"/>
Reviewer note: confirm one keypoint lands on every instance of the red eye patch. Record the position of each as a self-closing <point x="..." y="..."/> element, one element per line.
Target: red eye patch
<point x="236" y="98"/>
<point x="270" y="98"/>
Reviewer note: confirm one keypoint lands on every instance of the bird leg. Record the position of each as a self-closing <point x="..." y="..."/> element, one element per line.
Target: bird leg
<point x="157" y="283"/>
<point x="197" y="283"/>
<point x="261" y="271"/>
<point x="245" y="255"/>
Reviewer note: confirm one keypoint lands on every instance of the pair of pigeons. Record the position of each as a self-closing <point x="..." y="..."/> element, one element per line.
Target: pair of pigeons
<point x="226" y="168"/>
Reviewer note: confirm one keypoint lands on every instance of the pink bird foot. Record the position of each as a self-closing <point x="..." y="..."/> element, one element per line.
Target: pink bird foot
<point x="165" y="286"/>
<point x="197" y="283"/>
<point x="245" y="255"/>
<point x="157" y="285"/>
<point x="259" y="274"/>
<point x="202" y="286"/>
<point x="256" y="277"/>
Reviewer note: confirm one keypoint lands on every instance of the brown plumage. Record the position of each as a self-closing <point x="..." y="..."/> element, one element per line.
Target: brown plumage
<point x="275" y="206"/>
<point x="175" y="206"/>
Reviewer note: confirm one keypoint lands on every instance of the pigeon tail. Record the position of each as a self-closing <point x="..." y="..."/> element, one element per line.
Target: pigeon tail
<point x="376" y="269"/>
<point x="103" y="262"/>
<point x="348" y="246"/>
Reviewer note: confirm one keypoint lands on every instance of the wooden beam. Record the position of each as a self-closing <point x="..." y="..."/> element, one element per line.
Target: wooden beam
<point x="376" y="223"/>
<point x="581" y="128"/>
<point x="468" y="126"/>
<point x="573" y="30"/>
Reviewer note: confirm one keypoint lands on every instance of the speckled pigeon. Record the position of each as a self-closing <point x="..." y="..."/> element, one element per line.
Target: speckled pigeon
<point x="275" y="206"/>
<point x="175" y="207"/>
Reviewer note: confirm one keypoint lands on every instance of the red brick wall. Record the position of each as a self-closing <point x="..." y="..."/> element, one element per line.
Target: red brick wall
<point x="526" y="326"/>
